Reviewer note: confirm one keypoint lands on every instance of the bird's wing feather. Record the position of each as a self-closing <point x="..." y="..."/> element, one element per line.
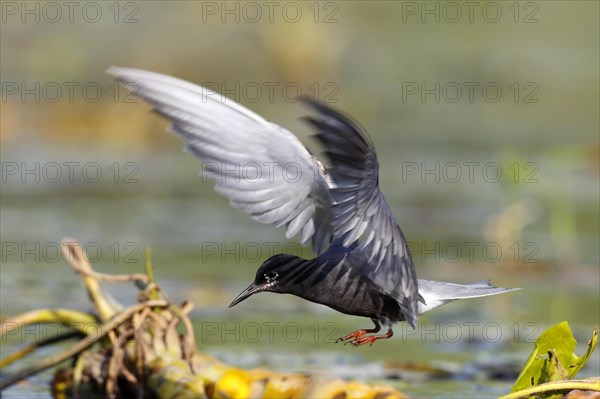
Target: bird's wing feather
<point x="360" y="212"/>
<point x="260" y="167"/>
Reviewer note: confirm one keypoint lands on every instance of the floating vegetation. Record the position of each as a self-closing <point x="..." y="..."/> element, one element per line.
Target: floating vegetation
<point x="148" y="350"/>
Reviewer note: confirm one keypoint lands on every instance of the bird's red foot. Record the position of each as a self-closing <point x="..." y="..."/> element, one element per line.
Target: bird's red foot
<point x="370" y="339"/>
<point x="358" y="334"/>
<point x="359" y="338"/>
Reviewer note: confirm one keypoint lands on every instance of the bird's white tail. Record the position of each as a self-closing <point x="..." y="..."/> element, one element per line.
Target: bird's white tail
<point x="438" y="293"/>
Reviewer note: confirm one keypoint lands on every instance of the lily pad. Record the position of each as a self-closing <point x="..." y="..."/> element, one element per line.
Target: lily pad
<point x="553" y="358"/>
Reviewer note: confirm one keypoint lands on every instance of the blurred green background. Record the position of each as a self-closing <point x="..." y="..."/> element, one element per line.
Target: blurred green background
<point x="451" y="94"/>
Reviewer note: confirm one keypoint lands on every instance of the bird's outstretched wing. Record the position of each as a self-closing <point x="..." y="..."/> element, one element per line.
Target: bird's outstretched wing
<point x="360" y="212"/>
<point x="260" y="167"/>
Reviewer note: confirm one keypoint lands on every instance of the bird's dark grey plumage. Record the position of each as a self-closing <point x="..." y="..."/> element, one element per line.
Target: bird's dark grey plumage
<point x="363" y="266"/>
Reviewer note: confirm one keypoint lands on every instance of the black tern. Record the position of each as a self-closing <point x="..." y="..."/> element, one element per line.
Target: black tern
<point x="363" y="266"/>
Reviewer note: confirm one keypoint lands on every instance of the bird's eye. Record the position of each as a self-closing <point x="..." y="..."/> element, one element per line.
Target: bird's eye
<point x="270" y="276"/>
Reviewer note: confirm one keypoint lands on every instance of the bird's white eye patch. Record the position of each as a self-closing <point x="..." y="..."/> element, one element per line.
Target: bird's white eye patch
<point x="271" y="277"/>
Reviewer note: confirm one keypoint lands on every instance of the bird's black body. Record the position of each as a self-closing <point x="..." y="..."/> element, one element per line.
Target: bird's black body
<point x="363" y="265"/>
<point x="332" y="280"/>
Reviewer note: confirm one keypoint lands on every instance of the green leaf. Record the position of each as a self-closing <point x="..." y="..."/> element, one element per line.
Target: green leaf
<point x="553" y="358"/>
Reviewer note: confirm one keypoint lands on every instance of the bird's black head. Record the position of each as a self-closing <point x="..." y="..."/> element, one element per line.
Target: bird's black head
<point x="270" y="276"/>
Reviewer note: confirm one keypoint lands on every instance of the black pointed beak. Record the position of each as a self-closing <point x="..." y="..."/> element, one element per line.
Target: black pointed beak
<point x="253" y="289"/>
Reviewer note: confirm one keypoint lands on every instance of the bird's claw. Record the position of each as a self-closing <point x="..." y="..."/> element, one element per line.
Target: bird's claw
<point x="365" y="340"/>
<point x="358" y="338"/>
<point x="356" y="335"/>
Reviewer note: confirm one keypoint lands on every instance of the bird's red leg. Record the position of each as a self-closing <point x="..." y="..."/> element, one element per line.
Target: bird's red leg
<point x="371" y="338"/>
<point x="359" y="334"/>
